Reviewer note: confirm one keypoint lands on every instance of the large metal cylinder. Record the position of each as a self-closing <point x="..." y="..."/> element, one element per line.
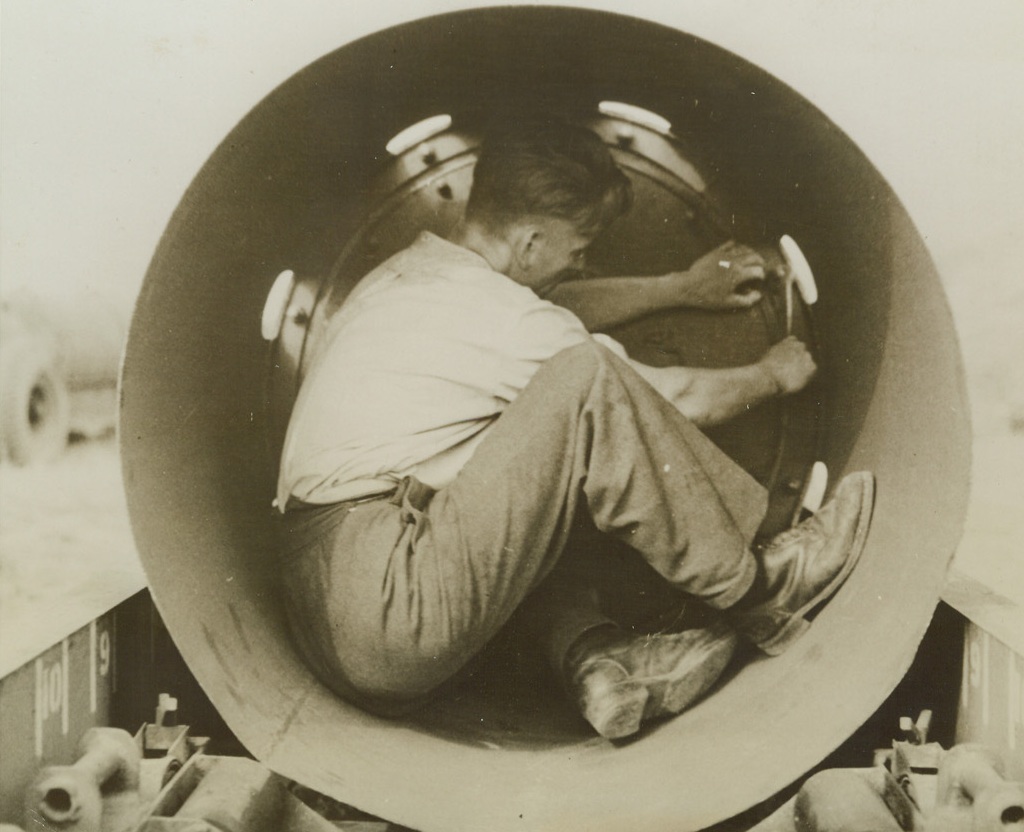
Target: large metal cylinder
<point x="291" y="188"/>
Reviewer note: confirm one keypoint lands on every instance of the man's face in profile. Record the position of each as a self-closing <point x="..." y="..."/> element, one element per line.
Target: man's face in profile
<point x="556" y="250"/>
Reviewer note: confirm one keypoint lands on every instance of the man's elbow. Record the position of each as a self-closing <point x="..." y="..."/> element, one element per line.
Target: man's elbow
<point x="698" y="408"/>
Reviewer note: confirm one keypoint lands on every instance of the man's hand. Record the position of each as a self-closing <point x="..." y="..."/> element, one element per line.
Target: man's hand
<point x="789" y="364"/>
<point x="725" y="278"/>
<point x="709" y="396"/>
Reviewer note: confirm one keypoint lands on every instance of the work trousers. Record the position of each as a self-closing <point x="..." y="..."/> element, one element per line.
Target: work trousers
<point x="389" y="598"/>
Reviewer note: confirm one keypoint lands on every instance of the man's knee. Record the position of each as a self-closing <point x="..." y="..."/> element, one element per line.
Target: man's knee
<point x="580" y="362"/>
<point x="575" y="374"/>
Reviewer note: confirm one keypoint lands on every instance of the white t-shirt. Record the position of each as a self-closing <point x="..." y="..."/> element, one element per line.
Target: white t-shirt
<point x="423" y="356"/>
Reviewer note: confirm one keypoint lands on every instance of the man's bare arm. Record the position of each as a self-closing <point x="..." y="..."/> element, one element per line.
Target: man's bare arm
<point x="715" y="281"/>
<point x="710" y="396"/>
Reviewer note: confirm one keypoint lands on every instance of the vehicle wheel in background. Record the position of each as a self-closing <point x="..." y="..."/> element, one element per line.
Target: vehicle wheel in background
<point x="35" y="410"/>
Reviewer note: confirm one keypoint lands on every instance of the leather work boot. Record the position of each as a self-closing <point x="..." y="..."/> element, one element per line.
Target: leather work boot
<point x="805" y="565"/>
<point x="619" y="680"/>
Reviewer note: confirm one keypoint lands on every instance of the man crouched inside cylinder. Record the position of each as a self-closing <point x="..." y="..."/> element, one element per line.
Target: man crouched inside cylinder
<point x="455" y="423"/>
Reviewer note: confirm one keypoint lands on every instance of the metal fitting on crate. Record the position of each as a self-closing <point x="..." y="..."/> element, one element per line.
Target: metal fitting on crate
<point x="972" y="794"/>
<point x="916" y="786"/>
<point x="966" y="793"/>
<point x="69" y="797"/>
<point x="114" y="775"/>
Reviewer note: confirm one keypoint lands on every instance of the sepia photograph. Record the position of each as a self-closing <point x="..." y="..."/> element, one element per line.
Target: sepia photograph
<point x="449" y="416"/>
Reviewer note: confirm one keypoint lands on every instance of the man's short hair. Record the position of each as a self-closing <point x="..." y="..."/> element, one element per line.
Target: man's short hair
<point x="543" y="167"/>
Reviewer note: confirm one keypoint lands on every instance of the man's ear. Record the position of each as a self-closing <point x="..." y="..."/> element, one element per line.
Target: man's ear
<point x="523" y="242"/>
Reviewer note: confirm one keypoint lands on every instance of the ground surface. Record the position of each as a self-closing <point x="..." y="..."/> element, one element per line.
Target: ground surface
<point x="985" y="286"/>
<point x="66" y="551"/>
